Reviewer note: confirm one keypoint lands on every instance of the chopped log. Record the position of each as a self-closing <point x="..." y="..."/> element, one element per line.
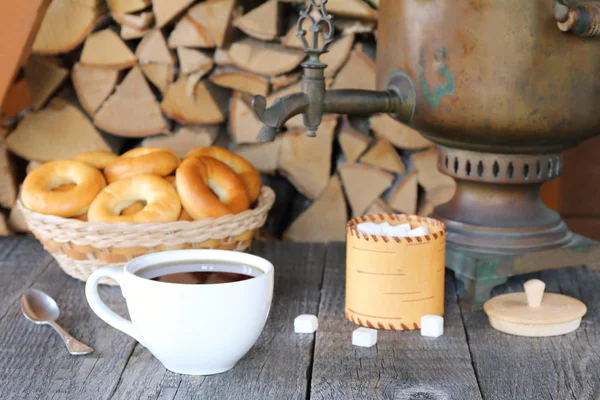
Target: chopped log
<point x="4" y="230"/>
<point x="191" y="83"/>
<point x="243" y="125"/>
<point x="441" y="194"/>
<point x="93" y="85"/>
<point x="44" y="76"/>
<point x="166" y="10"/>
<point x="185" y="139"/>
<point x="425" y="208"/>
<point x="264" y="58"/>
<point x="188" y="33"/>
<point x="277" y="220"/>
<point x="132" y="111"/>
<point x="325" y="220"/>
<point x="21" y="22"/>
<point x="434" y="198"/>
<point x="379" y="207"/>
<point x="352" y="9"/>
<point x="240" y="81"/>
<point x="8" y="181"/>
<point x="136" y="21"/>
<point x="291" y="38"/>
<point x="128" y="33"/>
<point x="216" y="17"/>
<point x="404" y="194"/>
<point x="16" y="101"/>
<point x="264" y="156"/>
<point x="192" y="61"/>
<point x="363" y="184"/>
<point x="161" y="75"/>
<point x="360" y="27"/>
<point x="127" y="6"/>
<point x="353" y="143"/>
<point x="153" y="49"/>
<point x="59" y="131"/>
<point x="31" y="165"/>
<point x="16" y="221"/>
<point x="263" y="22"/>
<point x="338" y="55"/>
<point x="223" y="139"/>
<point x="306" y="161"/>
<point x="105" y="49"/>
<point x="206" y="106"/>
<point x="398" y="134"/>
<point x="282" y="81"/>
<point x="429" y="175"/>
<point x="359" y="72"/>
<point x="384" y="156"/>
<point x="222" y="58"/>
<point x="65" y="26"/>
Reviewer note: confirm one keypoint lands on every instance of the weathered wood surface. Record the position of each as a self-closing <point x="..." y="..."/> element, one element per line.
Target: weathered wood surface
<point x="481" y="364"/>
<point x="402" y="365"/>
<point x="33" y="359"/>
<point x="563" y="367"/>
<point x="278" y="365"/>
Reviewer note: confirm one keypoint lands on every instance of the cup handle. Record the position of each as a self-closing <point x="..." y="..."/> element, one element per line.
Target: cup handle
<point x="100" y="308"/>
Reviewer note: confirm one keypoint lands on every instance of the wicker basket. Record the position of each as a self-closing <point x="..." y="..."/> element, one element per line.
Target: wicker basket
<point x="80" y="248"/>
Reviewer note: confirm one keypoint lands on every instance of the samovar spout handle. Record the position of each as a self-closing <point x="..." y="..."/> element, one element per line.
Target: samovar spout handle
<point x="582" y="19"/>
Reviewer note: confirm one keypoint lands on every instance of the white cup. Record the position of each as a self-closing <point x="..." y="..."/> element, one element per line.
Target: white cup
<point x="191" y="329"/>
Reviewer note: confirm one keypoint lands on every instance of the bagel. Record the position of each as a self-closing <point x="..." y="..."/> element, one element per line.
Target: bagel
<point x="145" y="160"/>
<point x="134" y="208"/>
<point x="38" y="194"/>
<point x="161" y="201"/>
<point x="248" y="174"/>
<point x="82" y="217"/>
<point x="97" y="158"/>
<point x="184" y="216"/>
<point x="195" y="178"/>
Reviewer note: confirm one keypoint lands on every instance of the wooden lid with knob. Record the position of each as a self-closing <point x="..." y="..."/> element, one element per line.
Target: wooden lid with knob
<point x="535" y="313"/>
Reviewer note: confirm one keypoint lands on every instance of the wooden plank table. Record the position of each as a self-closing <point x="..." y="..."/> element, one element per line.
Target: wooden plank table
<point x="471" y="360"/>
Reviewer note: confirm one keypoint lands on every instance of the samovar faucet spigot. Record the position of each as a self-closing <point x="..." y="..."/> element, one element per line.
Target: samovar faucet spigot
<point x="315" y="100"/>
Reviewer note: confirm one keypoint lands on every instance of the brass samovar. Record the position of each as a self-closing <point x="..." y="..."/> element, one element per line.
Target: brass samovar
<point x="503" y="87"/>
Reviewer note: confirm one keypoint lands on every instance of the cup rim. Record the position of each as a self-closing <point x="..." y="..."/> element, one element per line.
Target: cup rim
<point x="261" y="263"/>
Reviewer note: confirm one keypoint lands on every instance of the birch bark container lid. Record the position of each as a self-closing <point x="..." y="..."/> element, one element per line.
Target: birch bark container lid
<point x="534" y="313"/>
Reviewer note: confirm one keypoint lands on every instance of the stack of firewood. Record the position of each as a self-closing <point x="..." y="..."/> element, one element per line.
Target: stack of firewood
<point x="180" y="73"/>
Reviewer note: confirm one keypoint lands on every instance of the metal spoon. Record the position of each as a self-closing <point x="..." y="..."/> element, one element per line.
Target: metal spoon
<point x="40" y="308"/>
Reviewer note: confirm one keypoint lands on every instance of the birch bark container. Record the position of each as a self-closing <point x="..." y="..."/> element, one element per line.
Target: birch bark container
<point x="391" y="282"/>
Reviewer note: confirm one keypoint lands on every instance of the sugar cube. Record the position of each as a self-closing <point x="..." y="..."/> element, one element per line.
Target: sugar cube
<point x="397" y="231"/>
<point x="432" y="326"/>
<point x="364" y="337"/>
<point x="420" y="231"/>
<point x="369" y="228"/>
<point x="306" y="323"/>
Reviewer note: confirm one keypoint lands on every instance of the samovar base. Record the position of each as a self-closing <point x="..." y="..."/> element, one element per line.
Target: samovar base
<point x="499" y="227"/>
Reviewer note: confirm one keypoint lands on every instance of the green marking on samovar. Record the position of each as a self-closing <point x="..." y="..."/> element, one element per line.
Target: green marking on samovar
<point x="439" y="91"/>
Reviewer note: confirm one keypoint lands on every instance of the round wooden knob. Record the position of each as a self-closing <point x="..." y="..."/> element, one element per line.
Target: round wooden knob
<point x="534" y="313"/>
<point x="534" y="290"/>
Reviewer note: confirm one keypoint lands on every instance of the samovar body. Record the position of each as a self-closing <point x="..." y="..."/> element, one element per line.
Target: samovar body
<point x="492" y="75"/>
